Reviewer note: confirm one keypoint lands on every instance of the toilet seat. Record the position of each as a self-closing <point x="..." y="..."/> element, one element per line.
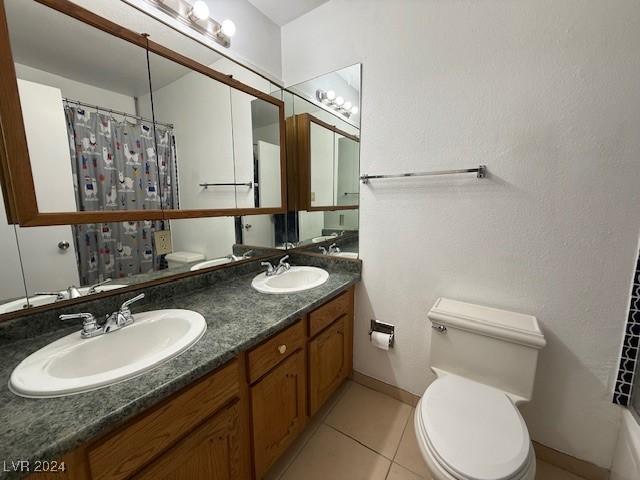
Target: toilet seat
<point x="473" y="431"/>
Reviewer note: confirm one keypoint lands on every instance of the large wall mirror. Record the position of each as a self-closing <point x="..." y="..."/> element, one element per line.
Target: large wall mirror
<point x="111" y="126"/>
<point x="323" y="155"/>
<point x="105" y="147"/>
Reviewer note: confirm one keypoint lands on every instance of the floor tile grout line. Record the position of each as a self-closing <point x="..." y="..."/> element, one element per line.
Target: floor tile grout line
<point x="359" y="442"/>
<point x="314" y="429"/>
<point x="395" y="454"/>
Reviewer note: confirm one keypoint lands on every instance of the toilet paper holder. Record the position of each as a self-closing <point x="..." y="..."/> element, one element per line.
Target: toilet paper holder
<point x="383" y="328"/>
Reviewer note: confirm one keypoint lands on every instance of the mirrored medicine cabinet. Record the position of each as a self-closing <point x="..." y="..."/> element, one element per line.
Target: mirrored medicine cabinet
<point x="139" y="164"/>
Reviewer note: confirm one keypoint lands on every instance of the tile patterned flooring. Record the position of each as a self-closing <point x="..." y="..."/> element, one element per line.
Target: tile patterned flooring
<point x="362" y="434"/>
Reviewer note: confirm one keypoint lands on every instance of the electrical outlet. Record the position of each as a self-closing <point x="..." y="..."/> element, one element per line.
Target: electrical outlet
<point x="341" y="220"/>
<point x="162" y="239"/>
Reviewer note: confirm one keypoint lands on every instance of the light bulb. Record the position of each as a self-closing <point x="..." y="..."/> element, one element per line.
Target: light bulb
<point x="199" y="11"/>
<point x="347" y="106"/>
<point x="331" y="95"/>
<point x="339" y="101"/>
<point x="354" y="110"/>
<point x="228" y="28"/>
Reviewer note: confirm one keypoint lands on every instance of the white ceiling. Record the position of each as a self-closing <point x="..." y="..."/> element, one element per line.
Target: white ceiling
<point x="282" y="12"/>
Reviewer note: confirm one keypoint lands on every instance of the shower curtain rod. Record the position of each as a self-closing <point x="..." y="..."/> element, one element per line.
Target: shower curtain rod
<point x="124" y="114"/>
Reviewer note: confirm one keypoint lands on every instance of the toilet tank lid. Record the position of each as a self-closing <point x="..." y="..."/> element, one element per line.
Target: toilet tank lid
<point x="492" y="322"/>
<point x="184" y="257"/>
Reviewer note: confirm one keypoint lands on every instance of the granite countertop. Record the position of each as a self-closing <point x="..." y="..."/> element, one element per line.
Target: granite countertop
<point x="238" y="318"/>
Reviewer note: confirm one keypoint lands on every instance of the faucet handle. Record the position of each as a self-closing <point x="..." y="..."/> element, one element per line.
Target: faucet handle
<point x="322" y="250"/>
<point x="269" y="266"/>
<point x="248" y="254"/>
<point x="92" y="288"/>
<point x="89" y="324"/>
<point x="125" y="305"/>
<point x="283" y="260"/>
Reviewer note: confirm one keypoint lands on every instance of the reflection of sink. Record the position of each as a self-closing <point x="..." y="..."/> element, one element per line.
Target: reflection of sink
<point x="38" y="300"/>
<point x="323" y="238"/>
<point x="345" y="254"/>
<point x="296" y="279"/>
<point x="73" y="364"/>
<point x="211" y="263"/>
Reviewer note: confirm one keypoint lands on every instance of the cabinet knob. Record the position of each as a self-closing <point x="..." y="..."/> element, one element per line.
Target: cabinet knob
<point x="282" y="349"/>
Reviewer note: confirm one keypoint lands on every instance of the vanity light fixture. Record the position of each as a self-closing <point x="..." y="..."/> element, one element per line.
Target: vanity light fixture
<point x="195" y="15"/>
<point x="338" y="103"/>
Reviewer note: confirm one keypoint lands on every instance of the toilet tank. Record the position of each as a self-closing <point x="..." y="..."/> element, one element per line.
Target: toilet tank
<point x="491" y="346"/>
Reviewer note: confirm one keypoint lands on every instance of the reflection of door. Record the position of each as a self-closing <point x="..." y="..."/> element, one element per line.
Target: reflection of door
<point x="47" y="267"/>
<point x="258" y="230"/>
<point x="268" y="156"/>
<point x="347" y="181"/>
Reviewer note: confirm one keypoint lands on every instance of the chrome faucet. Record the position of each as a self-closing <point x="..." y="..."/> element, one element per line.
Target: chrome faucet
<point x="283" y="266"/>
<point x="115" y="321"/>
<point x="323" y="250"/>
<point x="333" y="248"/>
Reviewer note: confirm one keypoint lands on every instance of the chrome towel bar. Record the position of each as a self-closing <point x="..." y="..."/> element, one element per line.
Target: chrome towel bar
<point x="480" y="170"/>
<point x="207" y="185"/>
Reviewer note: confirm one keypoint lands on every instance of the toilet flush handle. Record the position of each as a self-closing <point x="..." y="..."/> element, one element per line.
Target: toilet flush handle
<point x="439" y="328"/>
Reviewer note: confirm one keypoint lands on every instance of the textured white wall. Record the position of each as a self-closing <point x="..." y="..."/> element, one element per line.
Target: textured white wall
<point x="546" y="94"/>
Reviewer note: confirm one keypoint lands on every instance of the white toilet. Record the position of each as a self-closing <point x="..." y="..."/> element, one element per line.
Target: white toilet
<point x="467" y="422"/>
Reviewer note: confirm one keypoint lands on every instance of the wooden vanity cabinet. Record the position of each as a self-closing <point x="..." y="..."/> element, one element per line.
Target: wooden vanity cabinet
<point x="330" y="350"/>
<point x="234" y="423"/>
<point x="279" y="397"/>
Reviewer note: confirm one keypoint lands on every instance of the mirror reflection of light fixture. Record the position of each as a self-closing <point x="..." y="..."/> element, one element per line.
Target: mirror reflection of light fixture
<point x="338" y="103"/>
<point x="199" y="11"/>
<point x="195" y="15"/>
<point x="228" y="28"/>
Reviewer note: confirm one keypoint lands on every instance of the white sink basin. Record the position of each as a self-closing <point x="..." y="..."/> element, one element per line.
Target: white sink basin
<point x="211" y="263"/>
<point x="74" y="364"/>
<point x="38" y="300"/>
<point x="345" y="254"/>
<point x="296" y="279"/>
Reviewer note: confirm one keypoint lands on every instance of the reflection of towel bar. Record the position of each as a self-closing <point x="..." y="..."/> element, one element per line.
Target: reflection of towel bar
<point x="351" y="193"/>
<point x="207" y="185"/>
<point x="481" y="171"/>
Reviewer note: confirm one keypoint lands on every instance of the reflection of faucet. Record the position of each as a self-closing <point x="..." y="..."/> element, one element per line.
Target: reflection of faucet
<point x="68" y="293"/>
<point x="283" y="266"/>
<point x="323" y="250"/>
<point x="244" y="256"/>
<point x="333" y="248"/>
<point x="92" y="288"/>
<point x="115" y="321"/>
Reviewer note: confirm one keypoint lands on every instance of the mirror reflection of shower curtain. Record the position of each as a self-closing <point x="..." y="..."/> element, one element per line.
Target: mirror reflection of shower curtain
<point x="115" y="167"/>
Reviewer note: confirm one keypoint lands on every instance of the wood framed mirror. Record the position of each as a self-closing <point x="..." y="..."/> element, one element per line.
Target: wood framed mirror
<point x="121" y="157"/>
<point x="325" y="165"/>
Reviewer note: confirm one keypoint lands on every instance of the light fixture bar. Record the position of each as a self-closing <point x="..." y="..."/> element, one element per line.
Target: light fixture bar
<point x="196" y="16"/>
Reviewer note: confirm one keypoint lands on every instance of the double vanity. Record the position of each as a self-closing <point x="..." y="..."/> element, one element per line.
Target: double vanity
<point x="213" y="378"/>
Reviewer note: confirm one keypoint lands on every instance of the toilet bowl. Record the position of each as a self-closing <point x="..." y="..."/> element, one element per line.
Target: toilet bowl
<point x="469" y="431"/>
<point x="467" y="423"/>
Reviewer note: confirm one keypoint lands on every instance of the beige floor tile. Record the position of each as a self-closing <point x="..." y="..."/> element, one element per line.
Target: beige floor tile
<point x="398" y="472"/>
<point x="280" y="467"/>
<point x="546" y="471"/>
<point x="332" y="455"/>
<point x="374" y="419"/>
<point x="409" y="454"/>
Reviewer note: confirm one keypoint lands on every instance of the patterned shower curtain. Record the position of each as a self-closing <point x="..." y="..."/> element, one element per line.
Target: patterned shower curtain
<point x="116" y="167"/>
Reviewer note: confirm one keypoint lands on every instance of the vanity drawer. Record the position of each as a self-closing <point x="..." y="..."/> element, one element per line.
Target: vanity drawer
<point x="266" y="356"/>
<point x="124" y="452"/>
<point x="330" y="312"/>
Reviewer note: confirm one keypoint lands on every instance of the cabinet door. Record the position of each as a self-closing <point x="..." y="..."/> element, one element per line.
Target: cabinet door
<point x="328" y="363"/>
<point x="211" y="452"/>
<point x="278" y="405"/>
